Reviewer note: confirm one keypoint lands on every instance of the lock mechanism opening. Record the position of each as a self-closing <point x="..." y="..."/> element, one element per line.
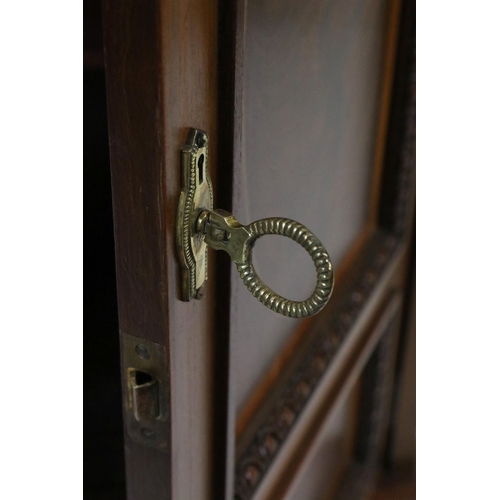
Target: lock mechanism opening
<point x="146" y="388"/>
<point x="144" y="395"/>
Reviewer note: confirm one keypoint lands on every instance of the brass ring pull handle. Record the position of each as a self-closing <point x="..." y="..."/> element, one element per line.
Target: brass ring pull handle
<point x="324" y="271"/>
<point x="223" y="232"/>
<point x="198" y="226"/>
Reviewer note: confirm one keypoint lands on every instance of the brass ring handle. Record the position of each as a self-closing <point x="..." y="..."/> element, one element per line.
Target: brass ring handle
<point x="199" y="227"/>
<point x="222" y="231"/>
<point x="304" y="237"/>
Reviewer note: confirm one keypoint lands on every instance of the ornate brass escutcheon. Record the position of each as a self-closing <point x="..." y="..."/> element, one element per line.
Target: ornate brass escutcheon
<point x="198" y="225"/>
<point x="196" y="195"/>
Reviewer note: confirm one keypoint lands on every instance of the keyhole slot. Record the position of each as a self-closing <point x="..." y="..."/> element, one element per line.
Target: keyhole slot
<point x="201" y="161"/>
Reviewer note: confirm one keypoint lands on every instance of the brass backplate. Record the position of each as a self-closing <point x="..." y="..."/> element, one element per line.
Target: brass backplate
<point x="196" y="195"/>
<point x="145" y="399"/>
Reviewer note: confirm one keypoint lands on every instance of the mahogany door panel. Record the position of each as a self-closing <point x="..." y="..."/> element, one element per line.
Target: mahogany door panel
<point x="320" y="136"/>
<point x="312" y="75"/>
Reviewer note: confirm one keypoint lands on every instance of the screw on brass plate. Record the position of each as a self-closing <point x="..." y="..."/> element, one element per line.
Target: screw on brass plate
<point x="201" y="139"/>
<point x="142" y="351"/>
<point x="147" y="433"/>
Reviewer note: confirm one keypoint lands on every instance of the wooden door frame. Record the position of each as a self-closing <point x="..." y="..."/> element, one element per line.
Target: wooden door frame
<point x="161" y="78"/>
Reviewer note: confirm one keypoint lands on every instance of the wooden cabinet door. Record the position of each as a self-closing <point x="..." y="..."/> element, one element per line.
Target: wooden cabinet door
<point x="312" y="90"/>
<point x="309" y="111"/>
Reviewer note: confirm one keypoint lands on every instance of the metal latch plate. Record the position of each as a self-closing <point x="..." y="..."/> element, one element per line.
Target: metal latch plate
<point x="145" y="384"/>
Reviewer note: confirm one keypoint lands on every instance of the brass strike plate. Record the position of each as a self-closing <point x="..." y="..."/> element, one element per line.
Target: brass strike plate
<point x="145" y="386"/>
<point x="196" y="195"/>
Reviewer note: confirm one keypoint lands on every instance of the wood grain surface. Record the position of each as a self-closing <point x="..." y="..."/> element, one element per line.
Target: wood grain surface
<point x="312" y="77"/>
<point x="391" y="192"/>
<point x="289" y="93"/>
<point x="161" y="64"/>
